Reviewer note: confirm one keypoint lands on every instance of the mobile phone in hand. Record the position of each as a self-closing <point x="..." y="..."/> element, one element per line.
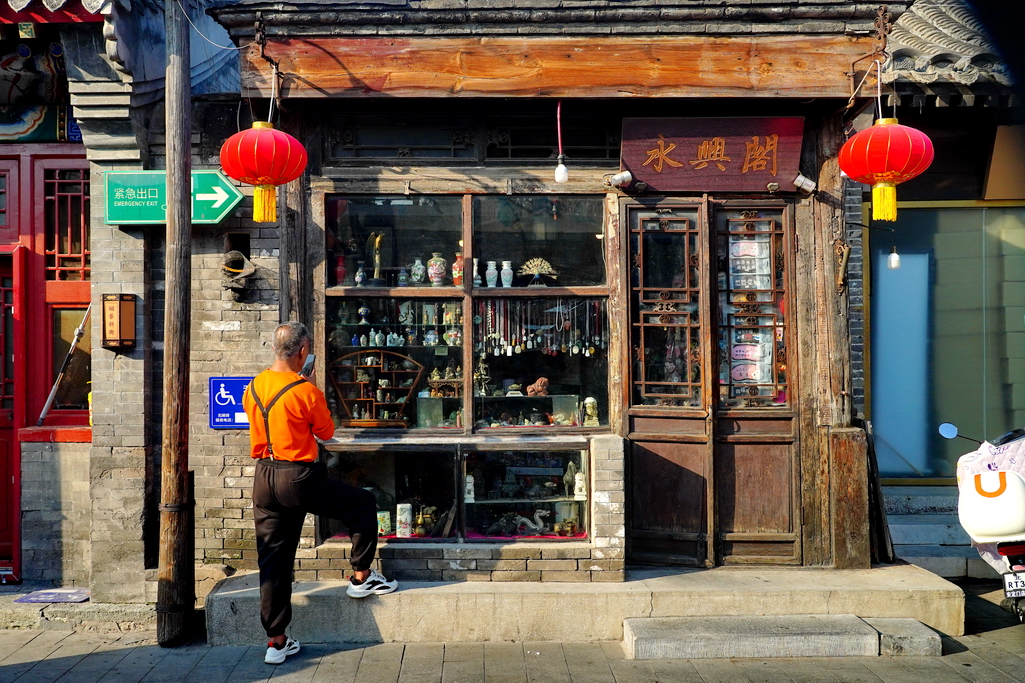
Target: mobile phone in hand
<point x="307" y="369"/>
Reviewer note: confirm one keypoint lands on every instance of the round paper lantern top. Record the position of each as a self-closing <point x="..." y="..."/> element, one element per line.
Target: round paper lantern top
<point x="264" y="157"/>
<point x="883" y="156"/>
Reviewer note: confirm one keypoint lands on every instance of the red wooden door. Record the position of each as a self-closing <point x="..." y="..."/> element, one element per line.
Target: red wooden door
<point x="8" y="444"/>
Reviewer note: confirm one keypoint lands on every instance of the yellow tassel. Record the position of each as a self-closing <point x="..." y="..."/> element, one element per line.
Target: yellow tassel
<point x="265" y="204"/>
<point x="884" y="202"/>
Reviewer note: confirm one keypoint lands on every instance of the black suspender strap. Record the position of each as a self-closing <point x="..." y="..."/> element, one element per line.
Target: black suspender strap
<point x="265" y="411"/>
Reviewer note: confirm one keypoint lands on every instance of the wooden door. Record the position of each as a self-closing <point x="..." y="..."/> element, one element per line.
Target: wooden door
<point x="713" y="472"/>
<point x="8" y="455"/>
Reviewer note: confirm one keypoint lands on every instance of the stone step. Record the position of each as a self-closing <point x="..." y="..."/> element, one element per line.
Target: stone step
<point x="800" y="635"/>
<point x="927" y="530"/>
<point x="948" y="561"/>
<point x="914" y="500"/>
<point x="476" y="611"/>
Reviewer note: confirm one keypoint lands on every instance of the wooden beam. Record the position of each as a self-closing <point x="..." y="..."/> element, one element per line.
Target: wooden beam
<point x="693" y="66"/>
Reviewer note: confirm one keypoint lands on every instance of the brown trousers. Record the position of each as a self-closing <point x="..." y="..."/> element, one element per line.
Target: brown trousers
<point x="283" y="492"/>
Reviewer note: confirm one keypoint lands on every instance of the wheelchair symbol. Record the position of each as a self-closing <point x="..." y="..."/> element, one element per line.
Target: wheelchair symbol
<point x="223" y="398"/>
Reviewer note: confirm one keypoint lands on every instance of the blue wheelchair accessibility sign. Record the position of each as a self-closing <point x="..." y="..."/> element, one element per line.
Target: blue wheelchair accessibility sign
<point x="226" y="411"/>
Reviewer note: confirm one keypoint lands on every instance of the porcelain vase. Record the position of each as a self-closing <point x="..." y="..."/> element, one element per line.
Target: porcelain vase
<point x="507" y="274"/>
<point x="436" y="269"/>
<point x="476" y="273"/>
<point x="417" y="272"/>
<point x="457" y="269"/>
<point x="491" y="274"/>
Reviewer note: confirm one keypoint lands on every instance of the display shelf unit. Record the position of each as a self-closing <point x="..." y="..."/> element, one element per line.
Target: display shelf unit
<point x="375" y="387"/>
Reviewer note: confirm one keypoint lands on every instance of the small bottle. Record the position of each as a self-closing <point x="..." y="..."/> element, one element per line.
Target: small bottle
<point x="361" y="275"/>
<point x="403" y="278"/>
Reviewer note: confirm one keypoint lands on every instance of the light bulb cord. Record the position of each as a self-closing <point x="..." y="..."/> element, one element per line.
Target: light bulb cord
<point x="558" y="127"/>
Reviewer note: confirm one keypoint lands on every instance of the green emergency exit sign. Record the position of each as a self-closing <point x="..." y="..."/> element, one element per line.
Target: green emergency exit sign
<point x="140" y="197"/>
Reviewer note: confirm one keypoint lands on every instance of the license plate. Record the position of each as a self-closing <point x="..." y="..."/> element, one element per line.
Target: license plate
<point x="1014" y="585"/>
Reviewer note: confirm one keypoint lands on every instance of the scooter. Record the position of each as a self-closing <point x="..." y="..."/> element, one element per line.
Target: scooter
<point x="991" y="506"/>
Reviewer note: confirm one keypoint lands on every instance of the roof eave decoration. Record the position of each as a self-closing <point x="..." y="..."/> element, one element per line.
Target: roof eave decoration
<point x="939" y="48"/>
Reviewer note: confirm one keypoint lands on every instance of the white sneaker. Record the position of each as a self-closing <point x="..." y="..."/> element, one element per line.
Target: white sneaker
<point x="278" y="655"/>
<point x="375" y="584"/>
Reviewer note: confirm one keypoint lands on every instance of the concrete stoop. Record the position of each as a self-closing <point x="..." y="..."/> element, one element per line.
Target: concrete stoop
<point x="801" y="635"/>
<point x="579" y="612"/>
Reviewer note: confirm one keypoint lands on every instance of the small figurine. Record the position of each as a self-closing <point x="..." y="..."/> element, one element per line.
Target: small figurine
<point x="569" y="480"/>
<point x="538" y="388"/>
<point x="435" y="374"/>
<point x="590" y="412"/>
<point x="468" y="492"/>
<point x="579" y="487"/>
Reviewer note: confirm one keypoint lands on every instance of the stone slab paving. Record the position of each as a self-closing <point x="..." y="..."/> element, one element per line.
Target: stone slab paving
<point x="992" y="651"/>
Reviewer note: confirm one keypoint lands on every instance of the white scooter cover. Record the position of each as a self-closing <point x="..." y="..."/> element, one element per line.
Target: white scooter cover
<point x="991" y="498"/>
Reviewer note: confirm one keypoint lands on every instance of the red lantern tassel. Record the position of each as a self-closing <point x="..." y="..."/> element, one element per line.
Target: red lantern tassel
<point x="265" y="204"/>
<point x="884" y="202"/>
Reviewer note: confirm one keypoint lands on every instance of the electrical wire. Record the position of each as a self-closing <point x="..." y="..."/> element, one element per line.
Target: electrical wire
<point x="200" y="33"/>
<point x="558" y="124"/>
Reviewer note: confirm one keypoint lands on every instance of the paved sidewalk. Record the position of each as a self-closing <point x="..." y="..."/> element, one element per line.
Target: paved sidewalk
<point x="993" y="651"/>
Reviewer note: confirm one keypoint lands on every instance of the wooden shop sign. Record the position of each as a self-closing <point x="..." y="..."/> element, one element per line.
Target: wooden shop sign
<point x="713" y="154"/>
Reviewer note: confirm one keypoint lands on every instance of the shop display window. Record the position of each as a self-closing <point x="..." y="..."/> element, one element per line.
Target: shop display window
<point x="538" y="240"/>
<point x="415" y="492"/>
<point x="393" y="241"/>
<point x="533" y="494"/>
<point x="395" y="362"/>
<point x="540" y="362"/>
<point x="666" y="289"/>
<point x="433" y="495"/>
<point x="752" y="308"/>
<point x="403" y="300"/>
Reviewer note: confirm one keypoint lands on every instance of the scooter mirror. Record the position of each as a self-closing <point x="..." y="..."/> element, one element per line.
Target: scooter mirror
<point x="948" y="430"/>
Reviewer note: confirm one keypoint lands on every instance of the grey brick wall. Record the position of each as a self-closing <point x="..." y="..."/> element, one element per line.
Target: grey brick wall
<point x="55" y="513"/>
<point x="119" y="459"/>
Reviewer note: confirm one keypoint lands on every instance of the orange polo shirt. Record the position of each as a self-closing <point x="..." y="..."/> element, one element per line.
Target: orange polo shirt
<point x="298" y="416"/>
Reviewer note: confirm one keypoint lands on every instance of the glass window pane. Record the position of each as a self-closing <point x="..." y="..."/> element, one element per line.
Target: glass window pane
<point x="752" y="338"/>
<point x="532" y="494"/>
<point x="540" y="362"/>
<point x="389" y="235"/>
<point x="74" y="387"/>
<point x="414" y="492"/>
<point x="666" y="288"/>
<point x="946" y="334"/>
<point x="395" y="362"/>
<point x="547" y="240"/>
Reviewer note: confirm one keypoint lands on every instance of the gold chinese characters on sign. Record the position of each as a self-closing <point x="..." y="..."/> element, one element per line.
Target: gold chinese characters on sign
<point x="744" y="154"/>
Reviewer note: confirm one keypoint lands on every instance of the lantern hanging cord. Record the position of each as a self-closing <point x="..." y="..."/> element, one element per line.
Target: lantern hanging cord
<point x="879" y="88"/>
<point x="200" y="33"/>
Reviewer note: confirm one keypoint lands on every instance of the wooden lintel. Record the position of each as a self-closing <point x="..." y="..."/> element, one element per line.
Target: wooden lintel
<point x="738" y="66"/>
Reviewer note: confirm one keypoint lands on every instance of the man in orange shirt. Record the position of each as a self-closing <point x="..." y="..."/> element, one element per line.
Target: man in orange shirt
<point x="287" y="414"/>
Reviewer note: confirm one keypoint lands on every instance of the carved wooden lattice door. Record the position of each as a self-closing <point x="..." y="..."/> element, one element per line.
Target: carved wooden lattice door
<point x="713" y="477"/>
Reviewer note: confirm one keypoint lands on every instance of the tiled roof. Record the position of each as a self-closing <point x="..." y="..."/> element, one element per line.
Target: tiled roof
<point x="939" y="47"/>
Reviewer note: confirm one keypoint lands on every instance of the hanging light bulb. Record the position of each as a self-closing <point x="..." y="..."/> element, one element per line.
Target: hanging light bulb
<point x="893" y="260"/>
<point x="561" y="172"/>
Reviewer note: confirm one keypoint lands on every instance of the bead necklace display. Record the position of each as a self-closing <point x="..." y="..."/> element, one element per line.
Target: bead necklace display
<point x="547" y="326"/>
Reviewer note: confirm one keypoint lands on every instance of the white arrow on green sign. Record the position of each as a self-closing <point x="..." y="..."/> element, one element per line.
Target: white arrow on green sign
<point x="140" y="197"/>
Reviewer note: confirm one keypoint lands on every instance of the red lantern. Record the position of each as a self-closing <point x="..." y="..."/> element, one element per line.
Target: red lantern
<point x="883" y="156"/>
<point x="263" y="157"/>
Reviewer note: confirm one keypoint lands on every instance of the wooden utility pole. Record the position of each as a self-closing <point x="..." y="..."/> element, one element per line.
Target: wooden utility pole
<point x="176" y="587"/>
